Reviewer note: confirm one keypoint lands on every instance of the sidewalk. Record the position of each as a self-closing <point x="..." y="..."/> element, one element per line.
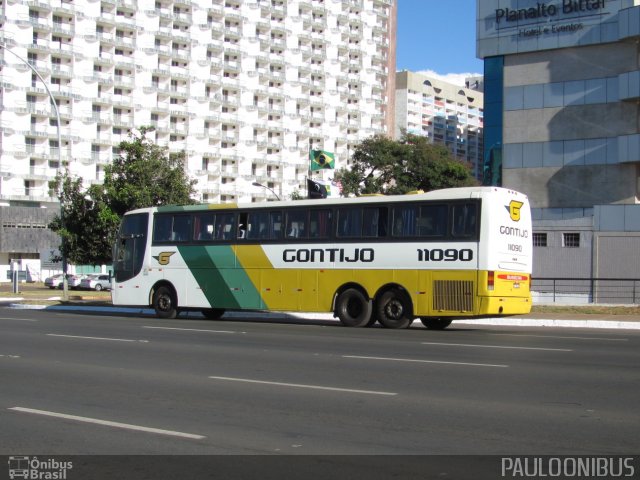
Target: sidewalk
<point x="38" y="297"/>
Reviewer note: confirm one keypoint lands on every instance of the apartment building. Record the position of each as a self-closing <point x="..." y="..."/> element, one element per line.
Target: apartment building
<point x="445" y="113"/>
<point x="244" y="87"/>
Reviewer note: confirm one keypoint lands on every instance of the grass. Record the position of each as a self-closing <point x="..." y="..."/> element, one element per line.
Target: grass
<point x="589" y="309"/>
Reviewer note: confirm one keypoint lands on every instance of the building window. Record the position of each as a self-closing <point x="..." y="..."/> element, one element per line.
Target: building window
<point x="539" y="239"/>
<point x="571" y="240"/>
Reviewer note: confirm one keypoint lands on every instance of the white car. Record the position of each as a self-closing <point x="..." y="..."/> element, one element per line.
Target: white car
<point x="54" y="281"/>
<point x="96" y="282"/>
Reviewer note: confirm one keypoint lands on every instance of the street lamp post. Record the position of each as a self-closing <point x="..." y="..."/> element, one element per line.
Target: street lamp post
<point x="256" y="184"/>
<point x="65" y="284"/>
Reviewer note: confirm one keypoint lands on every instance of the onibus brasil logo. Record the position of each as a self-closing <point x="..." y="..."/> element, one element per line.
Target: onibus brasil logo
<point x="36" y="469"/>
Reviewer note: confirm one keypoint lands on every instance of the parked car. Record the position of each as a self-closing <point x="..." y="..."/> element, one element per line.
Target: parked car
<point x="74" y="280"/>
<point x="54" y="282"/>
<point x="96" y="282"/>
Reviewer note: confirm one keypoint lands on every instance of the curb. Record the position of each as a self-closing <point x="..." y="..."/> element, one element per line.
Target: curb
<point x="504" y="322"/>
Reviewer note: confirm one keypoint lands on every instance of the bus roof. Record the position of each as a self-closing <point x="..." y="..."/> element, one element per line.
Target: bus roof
<point x="442" y="194"/>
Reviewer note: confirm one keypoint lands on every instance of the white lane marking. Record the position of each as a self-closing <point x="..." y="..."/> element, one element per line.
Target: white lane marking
<point x="193" y="329"/>
<point x="297" y="385"/>
<point x="424" y="361"/>
<point x="498" y="346"/>
<point x="97" y="338"/>
<point x="107" y="423"/>
<point x="19" y="319"/>
<point x="556" y="336"/>
<point x="9" y="356"/>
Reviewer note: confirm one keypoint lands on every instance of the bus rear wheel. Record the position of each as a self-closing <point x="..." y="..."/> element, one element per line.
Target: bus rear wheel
<point x="212" y="313"/>
<point x="353" y="308"/>
<point x="393" y="309"/>
<point x="436" y="323"/>
<point x="165" y="303"/>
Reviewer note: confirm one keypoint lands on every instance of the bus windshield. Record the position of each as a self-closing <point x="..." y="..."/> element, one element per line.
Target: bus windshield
<point x="130" y="246"/>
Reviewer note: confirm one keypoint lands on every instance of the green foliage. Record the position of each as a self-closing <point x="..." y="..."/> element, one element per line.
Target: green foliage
<point x="142" y="176"/>
<point x="145" y="175"/>
<point x="381" y="165"/>
<point x="296" y="195"/>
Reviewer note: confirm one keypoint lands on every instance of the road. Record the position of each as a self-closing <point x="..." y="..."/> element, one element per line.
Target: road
<point x="81" y="383"/>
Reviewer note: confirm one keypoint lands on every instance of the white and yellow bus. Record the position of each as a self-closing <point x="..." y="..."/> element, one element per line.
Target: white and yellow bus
<point x="437" y="256"/>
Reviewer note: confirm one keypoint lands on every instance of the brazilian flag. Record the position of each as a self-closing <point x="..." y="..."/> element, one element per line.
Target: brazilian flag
<point x="321" y="159"/>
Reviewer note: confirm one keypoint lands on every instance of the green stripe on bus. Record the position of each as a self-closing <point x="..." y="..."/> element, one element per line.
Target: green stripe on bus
<point x="223" y="282"/>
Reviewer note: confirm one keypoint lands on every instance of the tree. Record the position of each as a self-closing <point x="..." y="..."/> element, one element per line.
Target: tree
<point x="143" y="175"/>
<point x="86" y="224"/>
<point x="381" y="165"/>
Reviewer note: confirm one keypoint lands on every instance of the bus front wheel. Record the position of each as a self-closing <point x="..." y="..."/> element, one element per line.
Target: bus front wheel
<point x="393" y="309"/>
<point x="353" y="308"/>
<point x="165" y="303"/>
<point x="435" y="323"/>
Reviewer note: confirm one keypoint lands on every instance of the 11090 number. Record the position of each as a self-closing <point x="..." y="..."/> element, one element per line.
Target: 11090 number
<point x="445" y="255"/>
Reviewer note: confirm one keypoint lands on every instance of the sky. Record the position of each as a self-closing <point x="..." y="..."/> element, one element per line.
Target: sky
<point x="438" y="37"/>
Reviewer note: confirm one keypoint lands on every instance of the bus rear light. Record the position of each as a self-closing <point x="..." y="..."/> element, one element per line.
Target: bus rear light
<point x="490" y="280"/>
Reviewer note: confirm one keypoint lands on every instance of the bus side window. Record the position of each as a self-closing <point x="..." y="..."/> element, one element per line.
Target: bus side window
<point x="181" y="228"/>
<point x="432" y="220"/>
<point x="242" y="225"/>
<point x="225" y="226"/>
<point x="258" y="226"/>
<point x="162" y="228"/>
<point x="464" y="220"/>
<point x="350" y="222"/>
<point x="275" y="222"/>
<point x="404" y="221"/>
<point x="320" y="223"/>
<point x="203" y="227"/>
<point x="370" y="222"/>
<point x="296" y="224"/>
<point x="383" y="217"/>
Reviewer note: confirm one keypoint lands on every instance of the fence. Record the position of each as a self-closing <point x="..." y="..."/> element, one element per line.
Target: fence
<point x="586" y="290"/>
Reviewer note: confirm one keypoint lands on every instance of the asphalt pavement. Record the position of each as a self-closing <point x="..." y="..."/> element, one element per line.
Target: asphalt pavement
<point x="100" y="302"/>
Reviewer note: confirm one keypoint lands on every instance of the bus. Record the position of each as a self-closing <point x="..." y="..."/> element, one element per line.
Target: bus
<point x="437" y="256"/>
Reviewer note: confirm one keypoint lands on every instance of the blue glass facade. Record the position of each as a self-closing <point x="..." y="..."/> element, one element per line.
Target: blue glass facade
<point x="493" y="103"/>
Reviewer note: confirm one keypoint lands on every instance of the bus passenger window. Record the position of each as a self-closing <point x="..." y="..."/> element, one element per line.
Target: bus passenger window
<point x="432" y="220"/>
<point x="258" y="226"/>
<point x="203" y="227"/>
<point x="162" y="228"/>
<point x="371" y="222"/>
<point x="242" y="226"/>
<point x="181" y="228"/>
<point x="464" y="220"/>
<point x="350" y="222"/>
<point x="319" y="223"/>
<point x="296" y="224"/>
<point x="275" y="231"/>
<point x="404" y="221"/>
<point x="225" y="228"/>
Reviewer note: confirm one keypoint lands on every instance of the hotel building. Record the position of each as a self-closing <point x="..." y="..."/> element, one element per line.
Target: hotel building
<point x="445" y="113"/>
<point x="244" y="87"/>
<point x="562" y="91"/>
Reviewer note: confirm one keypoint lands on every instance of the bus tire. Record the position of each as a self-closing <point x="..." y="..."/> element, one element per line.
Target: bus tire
<point x="353" y="308"/>
<point x="165" y="303"/>
<point x="212" y="313"/>
<point x="436" y="323"/>
<point x="393" y="309"/>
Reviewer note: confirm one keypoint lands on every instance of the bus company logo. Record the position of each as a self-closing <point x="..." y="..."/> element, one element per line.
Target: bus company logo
<point x="514" y="209"/>
<point x="163" y="257"/>
<point x="33" y="468"/>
